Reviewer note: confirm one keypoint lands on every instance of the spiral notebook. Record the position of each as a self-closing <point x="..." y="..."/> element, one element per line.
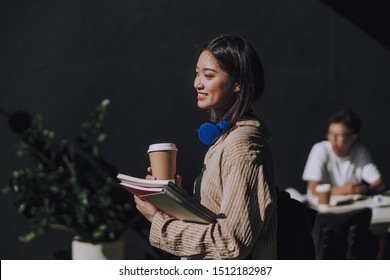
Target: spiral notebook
<point x="169" y="198"/>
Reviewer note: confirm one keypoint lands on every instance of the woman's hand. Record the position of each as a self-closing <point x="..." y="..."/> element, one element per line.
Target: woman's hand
<point x="149" y="176"/>
<point x="145" y="208"/>
<point x="178" y="178"/>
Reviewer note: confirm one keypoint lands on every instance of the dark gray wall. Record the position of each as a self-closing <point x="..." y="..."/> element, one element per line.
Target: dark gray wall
<point x="61" y="58"/>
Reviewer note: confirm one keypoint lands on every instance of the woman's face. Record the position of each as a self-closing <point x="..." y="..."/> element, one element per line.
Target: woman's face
<point x="213" y="85"/>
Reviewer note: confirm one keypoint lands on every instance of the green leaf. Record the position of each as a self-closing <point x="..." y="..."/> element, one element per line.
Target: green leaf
<point x="54" y="189"/>
<point x="95" y="151"/>
<point x="105" y="102"/>
<point x="22" y="208"/>
<point x="15" y="174"/>
<point x="91" y="218"/>
<point x="28" y="237"/>
<point x="102" y="137"/>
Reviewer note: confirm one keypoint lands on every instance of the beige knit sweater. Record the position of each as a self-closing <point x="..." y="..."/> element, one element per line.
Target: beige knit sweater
<point x="238" y="181"/>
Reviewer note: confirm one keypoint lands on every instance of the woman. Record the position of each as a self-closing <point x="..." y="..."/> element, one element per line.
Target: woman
<point x="237" y="179"/>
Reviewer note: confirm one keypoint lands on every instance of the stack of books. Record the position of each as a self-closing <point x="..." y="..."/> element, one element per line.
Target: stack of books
<point x="169" y="198"/>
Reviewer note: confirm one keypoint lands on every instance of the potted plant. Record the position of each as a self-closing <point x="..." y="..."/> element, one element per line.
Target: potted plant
<point x="69" y="185"/>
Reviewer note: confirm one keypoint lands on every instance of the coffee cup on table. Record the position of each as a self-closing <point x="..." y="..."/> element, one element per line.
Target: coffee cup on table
<point x="162" y="158"/>
<point x="323" y="193"/>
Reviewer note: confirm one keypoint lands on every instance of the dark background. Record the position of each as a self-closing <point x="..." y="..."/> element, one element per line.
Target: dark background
<point x="61" y="58"/>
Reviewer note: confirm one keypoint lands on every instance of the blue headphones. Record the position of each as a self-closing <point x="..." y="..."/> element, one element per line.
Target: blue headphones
<point x="208" y="131"/>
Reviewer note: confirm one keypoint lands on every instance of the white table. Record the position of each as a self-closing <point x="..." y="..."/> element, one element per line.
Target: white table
<point x="380" y="205"/>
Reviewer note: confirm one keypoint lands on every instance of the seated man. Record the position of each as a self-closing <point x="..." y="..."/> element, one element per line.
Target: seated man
<point x="342" y="162"/>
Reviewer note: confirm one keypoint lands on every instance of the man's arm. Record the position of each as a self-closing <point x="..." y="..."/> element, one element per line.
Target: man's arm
<point x="376" y="187"/>
<point x="312" y="186"/>
<point x="340" y="190"/>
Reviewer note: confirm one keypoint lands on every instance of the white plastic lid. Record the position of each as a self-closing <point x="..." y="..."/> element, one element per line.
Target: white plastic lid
<point x="162" y="147"/>
<point x="323" y="188"/>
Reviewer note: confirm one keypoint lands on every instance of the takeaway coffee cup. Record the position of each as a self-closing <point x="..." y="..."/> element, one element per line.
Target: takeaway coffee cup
<point x="162" y="158"/>
<point x="323" y="192"/>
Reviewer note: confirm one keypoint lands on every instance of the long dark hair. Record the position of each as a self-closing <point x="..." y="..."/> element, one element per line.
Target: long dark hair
<point x="238" y="58"/>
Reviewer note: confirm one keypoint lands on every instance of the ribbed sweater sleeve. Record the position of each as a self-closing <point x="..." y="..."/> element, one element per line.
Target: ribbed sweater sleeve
<point x="238" y="183"/>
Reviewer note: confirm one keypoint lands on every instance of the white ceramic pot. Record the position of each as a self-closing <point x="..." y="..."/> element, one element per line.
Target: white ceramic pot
<point x="112" y="250"/>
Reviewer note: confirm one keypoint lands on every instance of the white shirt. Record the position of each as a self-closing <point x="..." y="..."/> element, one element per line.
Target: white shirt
<point x="324" y="166"/>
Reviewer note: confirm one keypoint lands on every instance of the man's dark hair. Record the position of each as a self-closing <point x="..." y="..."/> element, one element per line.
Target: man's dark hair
<point x="347" y="117"/>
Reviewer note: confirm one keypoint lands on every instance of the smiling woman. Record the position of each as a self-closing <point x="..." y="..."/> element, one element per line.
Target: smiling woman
<point x="214" y="86"/>
<point x="237" y="178"/>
